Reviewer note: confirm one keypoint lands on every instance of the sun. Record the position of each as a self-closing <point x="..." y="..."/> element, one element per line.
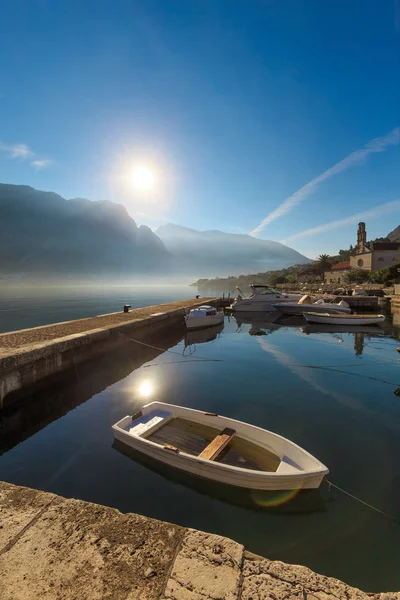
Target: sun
<point x="143" y="178"/>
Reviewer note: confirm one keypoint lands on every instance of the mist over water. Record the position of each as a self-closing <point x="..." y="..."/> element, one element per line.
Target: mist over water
<point x="23" y="306"/>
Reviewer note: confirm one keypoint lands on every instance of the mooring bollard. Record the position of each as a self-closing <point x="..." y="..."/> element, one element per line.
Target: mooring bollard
<point x="127" y="307"/>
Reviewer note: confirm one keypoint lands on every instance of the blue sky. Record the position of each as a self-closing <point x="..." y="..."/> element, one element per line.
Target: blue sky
<point x="236" y="105"/>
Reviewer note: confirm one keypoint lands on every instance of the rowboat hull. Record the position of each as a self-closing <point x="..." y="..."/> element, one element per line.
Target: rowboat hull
<point x="306" y="501"/>
<point x="297" y="468"/>
<point x="333" y="319"/>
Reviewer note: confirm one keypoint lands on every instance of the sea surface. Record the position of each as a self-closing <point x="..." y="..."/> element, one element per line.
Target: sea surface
<point x="22" y="307"/>
<point x="333" y="391"/>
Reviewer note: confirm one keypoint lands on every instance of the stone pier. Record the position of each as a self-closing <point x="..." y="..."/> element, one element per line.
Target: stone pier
<point x="65" y="549"/>
<point x="32" y="355"/>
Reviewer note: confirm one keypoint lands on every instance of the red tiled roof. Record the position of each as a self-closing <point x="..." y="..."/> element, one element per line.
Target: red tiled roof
<point x="340" y="266"/>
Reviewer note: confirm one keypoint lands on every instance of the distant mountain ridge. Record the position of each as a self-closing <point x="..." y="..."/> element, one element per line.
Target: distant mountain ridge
<point x="394" y="235"/>
<point x="215" y="252"/>
<point x="45" y="235"/>
<point x="42" y="233"/>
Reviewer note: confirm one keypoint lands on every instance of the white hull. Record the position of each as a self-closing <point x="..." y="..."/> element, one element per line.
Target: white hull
<point x="297" y="468"/>
<point x="299" y="309"/>
<point x="200" y="322"/>
<point x="263" y="304"/>
<point x="330" y="319"/>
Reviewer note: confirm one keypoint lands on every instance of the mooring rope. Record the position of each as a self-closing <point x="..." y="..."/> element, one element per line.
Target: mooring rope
<point x="333" y="368"/>
<point x="330" y="483"/>
<point x="185" y="357"/>
<point x="378" y="510"/>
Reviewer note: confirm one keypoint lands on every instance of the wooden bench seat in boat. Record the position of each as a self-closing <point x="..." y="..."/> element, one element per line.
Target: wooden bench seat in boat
<point x="144" y="425"/>
<point x="220" y="442"/>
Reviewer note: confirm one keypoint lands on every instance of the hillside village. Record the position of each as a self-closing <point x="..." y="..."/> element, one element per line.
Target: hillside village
<point x="367" y="262"/>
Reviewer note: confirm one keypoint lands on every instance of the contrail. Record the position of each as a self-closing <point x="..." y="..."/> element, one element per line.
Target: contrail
<point x="383" y="209"/>
<point x="377" y="145"/>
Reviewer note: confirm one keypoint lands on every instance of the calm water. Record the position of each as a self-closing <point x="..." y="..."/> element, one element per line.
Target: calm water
<point x="21" y="308"/>
<point x="331" y="392"/>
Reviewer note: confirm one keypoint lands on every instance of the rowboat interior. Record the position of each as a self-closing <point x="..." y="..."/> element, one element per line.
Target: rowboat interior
<point x="196" y="439"/>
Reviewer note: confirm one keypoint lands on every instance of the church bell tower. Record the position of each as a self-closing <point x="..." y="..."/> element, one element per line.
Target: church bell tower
<point x="361" y="238"/>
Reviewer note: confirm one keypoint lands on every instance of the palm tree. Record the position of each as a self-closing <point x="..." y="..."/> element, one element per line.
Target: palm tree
<point x="323" y="264"/>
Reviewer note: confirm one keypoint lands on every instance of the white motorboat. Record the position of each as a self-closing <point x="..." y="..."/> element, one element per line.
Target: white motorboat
<point x="204" y="316"/>
<point x="306" y="304"/>
<point x="220" y="449"/>
<point x="262" y="299"/>
<point x="335" y="319"/>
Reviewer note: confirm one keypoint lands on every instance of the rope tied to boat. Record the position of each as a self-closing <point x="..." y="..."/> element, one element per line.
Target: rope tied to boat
<point x="186" y="358"/>
<point x="332" y="368"/>
<point x="374" y="508"/>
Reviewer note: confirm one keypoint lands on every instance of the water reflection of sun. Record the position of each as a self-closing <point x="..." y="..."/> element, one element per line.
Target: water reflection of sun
<point x="145" y="388"/>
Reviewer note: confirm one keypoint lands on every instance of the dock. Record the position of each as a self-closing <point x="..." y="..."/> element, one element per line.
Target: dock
<point x="31" y="356"/>
<point x="53" y="547"/>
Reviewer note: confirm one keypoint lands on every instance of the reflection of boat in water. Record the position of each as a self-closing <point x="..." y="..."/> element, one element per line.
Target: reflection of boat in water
<point x="202" y="336"/>
<point x="274" y="321"/>
<point x="325" y="328"/>
<point x="259" y="324"/>
<point x="288" y="502"/>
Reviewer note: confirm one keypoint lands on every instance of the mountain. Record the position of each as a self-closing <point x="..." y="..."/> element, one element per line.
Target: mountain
<point x="394" y="236"/>
<point x="45" y="235"/>
<point x="211" y="253"/>
<point x="41" y="233"/>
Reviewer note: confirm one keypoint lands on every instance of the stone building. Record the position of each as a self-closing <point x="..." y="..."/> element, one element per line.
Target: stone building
<point x="373" y="255"/>
<point x="336" y="274"/>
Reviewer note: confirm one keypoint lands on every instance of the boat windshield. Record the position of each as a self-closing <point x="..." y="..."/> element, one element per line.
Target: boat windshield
<point x="265" y="290"/>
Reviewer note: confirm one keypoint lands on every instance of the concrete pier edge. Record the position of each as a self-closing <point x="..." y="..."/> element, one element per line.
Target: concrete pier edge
<point x="31" y="355"/>
<point x="52" y="547"/>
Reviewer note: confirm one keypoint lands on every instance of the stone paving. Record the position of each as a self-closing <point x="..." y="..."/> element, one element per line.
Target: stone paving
<point x="66" y="549"/>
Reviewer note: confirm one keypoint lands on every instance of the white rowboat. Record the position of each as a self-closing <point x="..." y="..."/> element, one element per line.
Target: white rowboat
<point x="219" y="448"/>
<point x="204" y="316"/>
<point x="335" y="319"/>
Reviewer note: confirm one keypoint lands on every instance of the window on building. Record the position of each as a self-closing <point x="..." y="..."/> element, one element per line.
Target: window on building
<point x="360" y="262"/>
<point x="380" y="259"/>
<point x="394" y="259"/>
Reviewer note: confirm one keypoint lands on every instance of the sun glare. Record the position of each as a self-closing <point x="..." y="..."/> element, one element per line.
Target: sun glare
<point x="143" y="178"/>
<point x="145" y="388"/>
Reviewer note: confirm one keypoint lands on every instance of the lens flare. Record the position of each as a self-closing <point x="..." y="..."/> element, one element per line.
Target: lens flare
<point x="272" y="499"/>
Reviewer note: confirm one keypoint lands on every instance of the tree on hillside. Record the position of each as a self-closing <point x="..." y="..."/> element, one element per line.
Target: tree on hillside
<point x="357" y="276"/>
<point x="291" y="278"/>
<point x="344" y="255"/>
<point x="275" y="279"/>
